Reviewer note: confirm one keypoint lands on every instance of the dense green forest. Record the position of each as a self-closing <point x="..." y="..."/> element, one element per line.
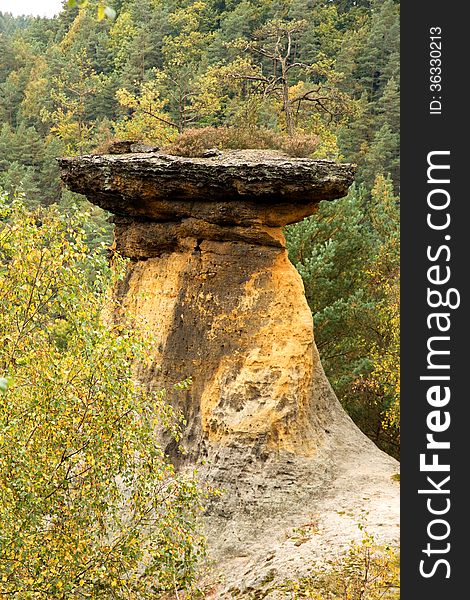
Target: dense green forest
<point x="318" y="78"/>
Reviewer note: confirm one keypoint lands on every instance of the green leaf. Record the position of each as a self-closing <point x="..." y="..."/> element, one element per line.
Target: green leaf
<point x="71" y="3"/>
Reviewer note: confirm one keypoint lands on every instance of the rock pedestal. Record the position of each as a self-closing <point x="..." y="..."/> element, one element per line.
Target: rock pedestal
<point x="210" y="276"/>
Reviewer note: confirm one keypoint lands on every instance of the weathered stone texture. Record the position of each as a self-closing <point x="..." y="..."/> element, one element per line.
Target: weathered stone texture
<point x="239" y="187"/>
<point x="241" y="328"/>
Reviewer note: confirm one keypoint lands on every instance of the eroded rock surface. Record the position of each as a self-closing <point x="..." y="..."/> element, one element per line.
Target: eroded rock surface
<point x="210" y="279"/>
<point x="240" y="187"/>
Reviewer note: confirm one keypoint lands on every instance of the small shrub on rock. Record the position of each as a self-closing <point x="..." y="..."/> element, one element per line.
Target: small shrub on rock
<point x="195" y="142"/>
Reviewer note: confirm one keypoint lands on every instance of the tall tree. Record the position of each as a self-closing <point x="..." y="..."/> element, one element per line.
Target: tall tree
<point x="72" y="90"/>
<point x="272" y="70"/>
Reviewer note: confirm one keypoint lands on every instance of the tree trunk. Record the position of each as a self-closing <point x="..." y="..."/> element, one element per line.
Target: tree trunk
<point x="285" y="101"/>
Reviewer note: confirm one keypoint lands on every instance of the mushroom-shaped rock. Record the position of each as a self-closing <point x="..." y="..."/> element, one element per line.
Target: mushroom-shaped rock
<point x="211" y="280"/>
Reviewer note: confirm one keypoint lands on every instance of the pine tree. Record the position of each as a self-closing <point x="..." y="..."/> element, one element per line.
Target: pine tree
<point x="382" y="157"/>
<point x="388" y="106"/>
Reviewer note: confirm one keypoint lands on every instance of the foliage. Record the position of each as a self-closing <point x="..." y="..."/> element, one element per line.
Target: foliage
<point x="148" y="122"/>
<point x="367" y="572"/>
<point x="369" y="63"/>
<point x="301" y="145"/>
<point x="102" y="10"/>
<point x="69" y="96"/>
<point x="89" y="505"/>
<point x="384" y="276"/>
<point x="182" y="56"/>
<point x="26" y="164"/>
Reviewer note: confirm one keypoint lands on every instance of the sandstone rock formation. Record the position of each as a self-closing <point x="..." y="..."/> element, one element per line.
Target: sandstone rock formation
<point x="210" y="275"/>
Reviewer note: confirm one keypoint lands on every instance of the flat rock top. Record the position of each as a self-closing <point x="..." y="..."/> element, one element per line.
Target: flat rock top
<point x="236" y="175"/>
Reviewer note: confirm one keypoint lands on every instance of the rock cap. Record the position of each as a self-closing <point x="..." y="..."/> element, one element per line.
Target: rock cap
<point x="236" y="187"/>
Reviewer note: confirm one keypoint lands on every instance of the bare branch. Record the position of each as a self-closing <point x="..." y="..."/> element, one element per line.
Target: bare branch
<point x="318" y="100"/>
<point x="273" y="86"/>
<point x="289" y="45"/>
<point x="300" y="66"/>
<point x="307" y="96"/>
<point x="161" y="119"/>
<point x="263" y="52"/>
<point x="278" y="41"/>
<point x="277" y="91"/>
